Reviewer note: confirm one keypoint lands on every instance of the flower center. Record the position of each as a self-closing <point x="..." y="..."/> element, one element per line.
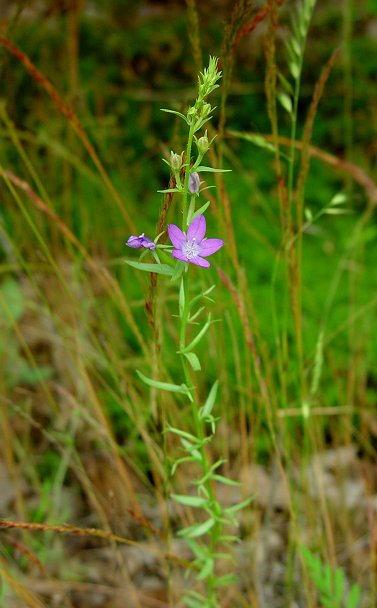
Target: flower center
<point x="191" y="249"/>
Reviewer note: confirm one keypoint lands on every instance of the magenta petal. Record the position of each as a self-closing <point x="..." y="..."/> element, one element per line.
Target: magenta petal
<point x="176" y="236"/>
<point x="179" y="255"/>
<point x="200" y="262"/>
<point x="209" y="246"/>
<point x="197" y="229"/>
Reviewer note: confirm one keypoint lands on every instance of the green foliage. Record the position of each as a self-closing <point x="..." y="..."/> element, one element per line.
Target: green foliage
<point x="332" y="587"/>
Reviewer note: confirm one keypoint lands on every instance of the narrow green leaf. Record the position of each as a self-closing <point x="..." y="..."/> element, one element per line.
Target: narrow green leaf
<point x="198" y="337"/>
<point x="178" y="270"/>
<point x="189" y="501"/>
<point x="201" y="210"/>
<point x="285" y="83"/>
<point x="308" y="214"/>
<point x="226" y="481"/>
<point x="182" y="298"/>
<point x="191" y="210"/>
<point x="208" y="406"/>
<point x="194" y="599"/>
<point x="203" y="169"/>
<point x="294" y="69"/>
<point x="336" y="211"/>
<point x="163" y="386"/>
<point x="193" y="359"/>
<point x="181" y="461"/>
<point x="176" y="113"/>
<point x="168" y="190"/>
<point x="198" y="529"/>
<point x="338" y="199"/>
<point x="206" y="570"/>
<point x="184" y="434"/>
<point x="239" y="506"/>
<point x="155" y="268"/>
<point x="353" y="596"/>
<point x="339" y="581"/>
<point x="195" y="315"/>
<point x="286" y="102"/>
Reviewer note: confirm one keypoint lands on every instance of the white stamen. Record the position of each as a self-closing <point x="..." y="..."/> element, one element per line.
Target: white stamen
<point x="191" y="249"/>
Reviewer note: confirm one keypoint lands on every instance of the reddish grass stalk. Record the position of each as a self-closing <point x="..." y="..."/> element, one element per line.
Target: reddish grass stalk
<point x="256" y="20"/>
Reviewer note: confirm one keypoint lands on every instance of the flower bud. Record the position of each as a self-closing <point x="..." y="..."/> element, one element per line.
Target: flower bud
<point x="194" y="182"/>
<point x="203" y="144"/>
<point x="175" y="161"/>
<point x="206" y="110"/>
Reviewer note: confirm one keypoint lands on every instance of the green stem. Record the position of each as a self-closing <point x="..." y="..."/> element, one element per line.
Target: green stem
<point x="215" y="531"/>
<point x="187" y="175"/>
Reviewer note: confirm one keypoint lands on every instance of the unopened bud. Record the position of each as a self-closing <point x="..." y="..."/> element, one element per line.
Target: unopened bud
<point x="203" y="143"/>
<point x="175" y="161"/>
<point x="194" y="182"/>
<point x="206" y="110"/>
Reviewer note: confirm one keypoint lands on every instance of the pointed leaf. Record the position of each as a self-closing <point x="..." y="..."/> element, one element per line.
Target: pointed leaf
<point x="286" y="102"/>
<point x="182" y="298"/>
<point x="239" y="506"/>
<point x="198" y="337"/>
<point x="225" y="480"/>
<point x="193" y="359"/>
<point x="198" y="529"/>
<point x="176" y="113"/>
<point x="178" y="270"/>
<point x="208" y="406"/>
<point x="203" y="169"/>
<point x="189" y="501"/>
<point x="155" y="268"/>
<point x="163" y="386"/>
<point x="353" y="596"/>
<point x="206" y="570"/>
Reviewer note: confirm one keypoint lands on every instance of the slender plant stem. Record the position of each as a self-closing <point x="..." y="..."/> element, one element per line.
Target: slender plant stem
<point x="215" y="531"/>
<point x="187" y="175"/>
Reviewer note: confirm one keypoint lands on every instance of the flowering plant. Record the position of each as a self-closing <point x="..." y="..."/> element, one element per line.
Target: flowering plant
<point x="191" y="247"/>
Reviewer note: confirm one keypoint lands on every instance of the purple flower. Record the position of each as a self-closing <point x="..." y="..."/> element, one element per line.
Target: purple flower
<point x="193" y="247"/>
<point x="137" y="242"/>
<point x="193" y="182"/>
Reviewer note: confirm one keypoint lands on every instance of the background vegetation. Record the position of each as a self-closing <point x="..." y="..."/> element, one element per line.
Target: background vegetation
<point x="295" y="348"/>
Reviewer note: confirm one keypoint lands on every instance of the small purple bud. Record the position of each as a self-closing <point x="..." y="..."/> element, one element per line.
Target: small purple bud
<point x="194" y="182"/>
<point x="138" y="242"/>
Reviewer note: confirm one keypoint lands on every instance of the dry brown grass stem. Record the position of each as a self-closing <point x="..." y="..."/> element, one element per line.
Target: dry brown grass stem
<point x="248" y="335"/>
<point x="75" y="531"/>
<point x="308" y="129"/>
<point x="357" y="173"/>
<point x="73" y="120"/>
<point x="29" y="599"/>
<point x="31" y="557"/>
<point x="100" y="272"/>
